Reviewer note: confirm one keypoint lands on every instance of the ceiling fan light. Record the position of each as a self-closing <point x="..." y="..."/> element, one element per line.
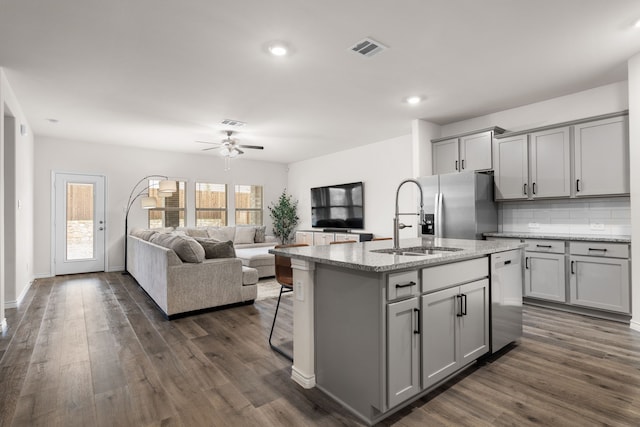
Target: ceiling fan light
<point x="233" y="153"/>
<point x="224" y="151"/>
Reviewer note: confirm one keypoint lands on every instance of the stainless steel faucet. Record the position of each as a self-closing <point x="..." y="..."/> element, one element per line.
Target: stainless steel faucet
<point x="397" y="225"/>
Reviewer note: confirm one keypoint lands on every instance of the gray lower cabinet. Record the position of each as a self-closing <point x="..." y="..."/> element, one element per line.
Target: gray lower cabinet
<point x="403" y="350"/>
<point x="544" y="276"/>
<point x="455" y="329"/>
<point x="599" y="276"/>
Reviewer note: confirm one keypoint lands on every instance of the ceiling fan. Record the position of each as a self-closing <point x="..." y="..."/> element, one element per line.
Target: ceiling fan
<point x="229" y="147"/>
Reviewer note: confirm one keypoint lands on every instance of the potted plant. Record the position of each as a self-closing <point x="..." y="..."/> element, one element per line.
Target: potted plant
<point x="284" y="216"/>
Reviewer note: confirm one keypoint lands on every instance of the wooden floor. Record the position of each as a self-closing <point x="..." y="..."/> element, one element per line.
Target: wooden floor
<point x="92" y="349"/>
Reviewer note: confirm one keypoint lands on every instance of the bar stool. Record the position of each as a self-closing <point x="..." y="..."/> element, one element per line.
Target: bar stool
<point x="284" y="276"/>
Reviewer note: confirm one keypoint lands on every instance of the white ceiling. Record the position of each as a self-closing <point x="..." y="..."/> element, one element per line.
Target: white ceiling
<point x="161" y="74"/>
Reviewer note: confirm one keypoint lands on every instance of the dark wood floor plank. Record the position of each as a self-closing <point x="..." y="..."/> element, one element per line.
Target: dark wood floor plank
<point x="95" y="350"/>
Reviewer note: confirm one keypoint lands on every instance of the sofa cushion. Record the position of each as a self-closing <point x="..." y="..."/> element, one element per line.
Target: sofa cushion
<point x="216" y="249"/>
<point x="187" y="249"/>
<point x="194" y="231"/>
<point x="261" y="232"/>
<point x="222" y="233"/>
<point x="142" y="233"/>
<point x="244" y="235"/>
<point x="249" y="276"/>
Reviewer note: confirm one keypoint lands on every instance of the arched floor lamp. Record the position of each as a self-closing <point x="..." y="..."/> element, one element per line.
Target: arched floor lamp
<point x="166" y="188"/>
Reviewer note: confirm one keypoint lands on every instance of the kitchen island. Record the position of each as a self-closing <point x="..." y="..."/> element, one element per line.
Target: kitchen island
<point x="376" y="330"/>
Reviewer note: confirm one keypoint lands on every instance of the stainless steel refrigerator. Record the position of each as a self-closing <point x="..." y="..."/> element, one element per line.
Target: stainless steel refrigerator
<point x="459" y="205"/>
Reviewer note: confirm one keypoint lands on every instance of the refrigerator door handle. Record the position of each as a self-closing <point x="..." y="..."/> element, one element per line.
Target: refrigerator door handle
<point x="438" y="215"/>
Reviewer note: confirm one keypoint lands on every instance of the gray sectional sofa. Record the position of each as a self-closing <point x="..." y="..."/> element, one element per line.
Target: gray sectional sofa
<point x="179" y="287"/>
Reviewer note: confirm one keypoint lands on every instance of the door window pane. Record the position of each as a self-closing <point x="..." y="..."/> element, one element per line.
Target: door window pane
<point x="249" y="204"/>
<point x="211" y="204"/>
<point x="80" y="221"/>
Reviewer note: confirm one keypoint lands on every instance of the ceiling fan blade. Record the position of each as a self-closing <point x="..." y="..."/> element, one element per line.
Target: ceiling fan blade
<point x="253" y="147"/>
<point x="239" y="150"/>
<point x="209" y="142"/>
<point x="210" y="148"/>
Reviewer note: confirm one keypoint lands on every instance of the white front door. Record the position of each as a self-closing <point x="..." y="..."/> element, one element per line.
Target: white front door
<point x="79" y="223"/>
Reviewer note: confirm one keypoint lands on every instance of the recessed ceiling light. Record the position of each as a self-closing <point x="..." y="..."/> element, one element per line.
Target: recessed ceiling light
<point x="413" y="100"/>
<point x="278" y="49"/>
<point x="637" y="24"/>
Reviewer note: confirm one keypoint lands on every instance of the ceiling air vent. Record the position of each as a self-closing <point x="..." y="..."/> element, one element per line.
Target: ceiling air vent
<point x="234" y="123"/>
<point x="368" y="47"/>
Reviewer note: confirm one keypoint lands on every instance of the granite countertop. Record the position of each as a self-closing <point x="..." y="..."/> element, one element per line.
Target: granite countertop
<point x="562" y="236"/>
<point x="358" y="256"/>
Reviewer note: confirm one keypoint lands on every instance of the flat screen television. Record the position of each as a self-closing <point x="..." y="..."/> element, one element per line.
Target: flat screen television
<point x="338" y="206"/>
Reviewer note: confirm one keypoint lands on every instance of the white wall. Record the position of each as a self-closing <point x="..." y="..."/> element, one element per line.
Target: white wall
<point x="601" y="100"/>
<point x="634" y="149"/>
<point x="381" y="166"/>
<point x="17" y="199"/>
<point x="123" y="167"/>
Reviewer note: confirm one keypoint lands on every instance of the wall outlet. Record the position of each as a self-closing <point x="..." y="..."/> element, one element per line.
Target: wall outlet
<point x="597" y="226"/>
<point x="534" y="225"/>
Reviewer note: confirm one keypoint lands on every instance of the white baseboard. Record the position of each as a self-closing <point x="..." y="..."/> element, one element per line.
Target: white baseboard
<point x="3" y="324"/>
<point x="635" y="325"/>
<point x="16" y="303"/>
<point x="115" y="268"/>
<point x="303" y="380"/>
<point x="42" y="276"/>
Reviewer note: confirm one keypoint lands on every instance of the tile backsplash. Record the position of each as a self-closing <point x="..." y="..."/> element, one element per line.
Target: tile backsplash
<point x="608" y="216"/>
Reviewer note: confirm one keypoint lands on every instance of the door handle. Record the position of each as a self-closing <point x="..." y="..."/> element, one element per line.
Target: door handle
<point x="462" y="163"/>
<point x="100" y="228"/>
<point x="577" y="185"/>
<point x="464" y="310"/>
<point x="416" y="330"/>
<point x="526" y="262"/>
<point x="572" y="270"/>
<point x="459" y="299"/>
<point x="524" y="189"/>
<point x="456" y="165"/>
<point x="533" y="187"/>
<point x="544" y="246"/>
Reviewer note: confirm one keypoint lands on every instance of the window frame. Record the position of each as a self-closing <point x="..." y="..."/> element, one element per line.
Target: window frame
<point x="240" y="210"/>
<point x="154" y="184"/>
<point x="225" y="210"/>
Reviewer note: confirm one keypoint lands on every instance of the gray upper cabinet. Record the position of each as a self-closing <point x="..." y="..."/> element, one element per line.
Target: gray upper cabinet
<point x="445" y="156"/>
<point x="511" y="176"/>
<point x="550" y="162"/>
<point x="466" y="152"/>
<point x="601" y="157"/>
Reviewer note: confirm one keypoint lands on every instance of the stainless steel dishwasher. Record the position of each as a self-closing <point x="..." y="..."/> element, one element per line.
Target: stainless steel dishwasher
<point x="506" y="298"/>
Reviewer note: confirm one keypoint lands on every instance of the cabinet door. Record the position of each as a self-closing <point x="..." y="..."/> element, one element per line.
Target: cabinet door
<point x="511" y="168"/>
<point x="347" y="237"/>
<point x="544" y="276"/>
<point x="403" y="350"/>
<point x="550" y="163"/>
<point x="445" y="156"/>
<point x="601" y="157"/>
<point x="475" y="152"/>
<point x="600" y="283"/>
<point x="474" y="323"/>
<point x="439" y="335"/>
<point x="323" y="238"/>
<point x="305" y="237"/>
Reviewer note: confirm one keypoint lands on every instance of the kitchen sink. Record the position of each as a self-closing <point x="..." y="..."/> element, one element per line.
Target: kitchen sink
<point x="418" y="250"/>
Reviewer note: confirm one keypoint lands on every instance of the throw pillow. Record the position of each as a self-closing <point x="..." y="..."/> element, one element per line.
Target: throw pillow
<point x="261" y="232"/>
<point x="216" y="249"/>
<point x="187" y="249"/>
<point x="222" y="233"/>
<point x="143" y="234"/>
<point x="244" y="235"/>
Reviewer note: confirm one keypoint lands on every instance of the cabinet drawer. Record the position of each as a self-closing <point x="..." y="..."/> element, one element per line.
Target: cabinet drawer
<point x="608" y="250"/>
<point x="323" y="238"/>
<point x="551" y="246"/>
<point x="402" y="284"/>
<point x="345" y="237"/>
<point x="443" y="276"/>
